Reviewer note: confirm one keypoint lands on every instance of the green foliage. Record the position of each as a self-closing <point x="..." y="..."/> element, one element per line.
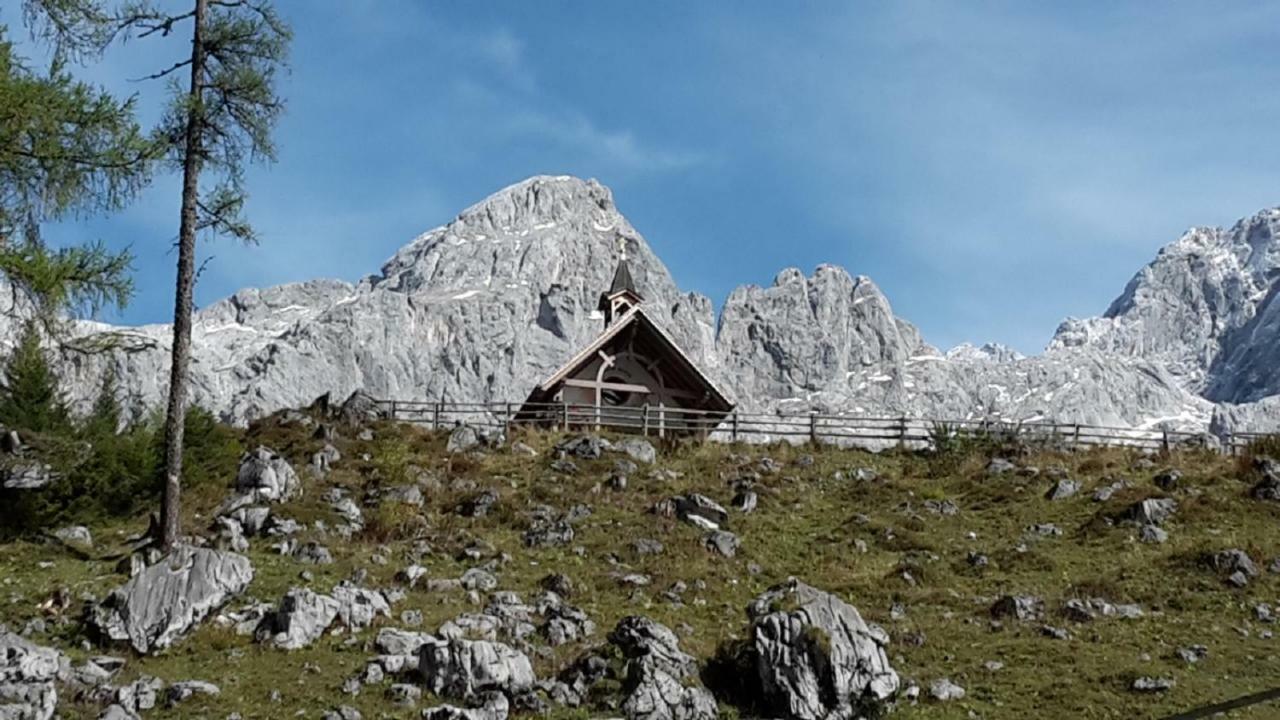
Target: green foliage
<point x="1265" y="446"/>
<point x="29" y="394"/>
<point x="210" y="451"/>
<point x="65" y="146"/>
<point x="81" y="278"/>
<point x="951" y="445"/>
<point x="104" y="474"/>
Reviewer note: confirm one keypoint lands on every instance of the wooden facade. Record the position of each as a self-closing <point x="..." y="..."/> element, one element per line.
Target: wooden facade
<point x="633" y="371"/>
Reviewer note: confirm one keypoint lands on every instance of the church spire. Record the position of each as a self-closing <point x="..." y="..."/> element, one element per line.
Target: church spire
<point x="622" y="294"/>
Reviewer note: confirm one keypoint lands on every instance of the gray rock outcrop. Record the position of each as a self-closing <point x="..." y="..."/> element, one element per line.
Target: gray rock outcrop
<point x="465" y="668"/>
<point x="659" y="679"/>
<point x="815" y="656"/>
<point x="502" y="295"/>
<point x="163" y="602"/>
<point x="27" y="678"/>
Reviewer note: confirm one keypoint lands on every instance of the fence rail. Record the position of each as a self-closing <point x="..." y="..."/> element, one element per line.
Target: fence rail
<point x="874" y="432"/>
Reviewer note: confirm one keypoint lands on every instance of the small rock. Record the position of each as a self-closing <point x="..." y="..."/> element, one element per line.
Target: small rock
<point x="1152" y="534"/>
<point x="1000" y="466"/>
<point x="1168" y="480"/>
<point x="1063" y="489"/>
<point x="76" y="534"/>
<point x="943" y="690"/>
<point x="1193" y="654"/>
<point x="1152" y="685"/>
<point x="723" y="542"/>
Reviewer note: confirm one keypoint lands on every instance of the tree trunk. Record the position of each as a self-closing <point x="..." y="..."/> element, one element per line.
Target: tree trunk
<point x="175" y="419"/>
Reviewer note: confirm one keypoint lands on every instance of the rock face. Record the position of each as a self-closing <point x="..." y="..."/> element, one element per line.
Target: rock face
<point x="464" y="668"/>
<point x="27" y="675"/>
<point x="486" y="306"/>
<point x="815" y="656"/>
<point x="163" y="602"/>
<point x="658" y="683"/>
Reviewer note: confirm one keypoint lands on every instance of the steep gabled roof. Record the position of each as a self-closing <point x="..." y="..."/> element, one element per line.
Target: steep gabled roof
<point x="622" y="281"/>
<point x="635" y="316"/>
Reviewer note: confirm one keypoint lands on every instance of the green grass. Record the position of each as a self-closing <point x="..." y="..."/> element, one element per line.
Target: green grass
<point x="807" y="525"/>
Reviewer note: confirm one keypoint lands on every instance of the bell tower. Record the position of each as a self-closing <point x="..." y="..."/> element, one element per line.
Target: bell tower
<point x="622" y="294"/>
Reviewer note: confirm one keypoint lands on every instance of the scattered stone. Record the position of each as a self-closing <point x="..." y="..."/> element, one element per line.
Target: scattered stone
<point x="1152" y="534"/>
<point x="404" y="495"/>
<point x="1063" y="489"/>
<point x="404" y="694"/>
<point x="302" y="618"/>
<point x="1152" y="511"/>
<point x="464" y="668"/>
<point x="163" y="602"/>
<point x="358" y="607"/>
<point x="1152" y="685"/>
<point x="1018" y="607"/>
<point x="486" y="706"/>
<point x="545" y="533"/>
<point x="564" y="466"/>
<point x="977" y="560"/>
<point x="74" y="534"/>
<point x="479" y="505"/>
<point x="1193" y="654"/>
<point x="943" y="690"/>
<point x="267" y="477"/>
<point x="659" y="679"/>
<point x="1237" y="564"/>
<point x="519" y="448"/>
<point x="313" y="553"/>
<point x="1000" y="466"/>
<point x="323" y="460"/>
<point x="1169" y="480"/>
<point x="993" y="665"/>
<point x="27" y="678"/>
<point x="583" y="447"/>
<point x="637" y="449"/>
<point x="646" y="546"/>
<point x="28" y="476"/>
<point x="462" y="439"/>
<point x="1045" y="530"/>
<point x="1056" y="633"/>
<point x="478" y="579"/>
<point x="942" y="507"/>
<point x="186" y="689"/>
<point x="723" y="542"/>
<point x="816" y="655"/>
<point x="559" y="584"/>
<point x="745" y="501"/>
<point x="346" y="712"/>
<point x="698" y="510"/>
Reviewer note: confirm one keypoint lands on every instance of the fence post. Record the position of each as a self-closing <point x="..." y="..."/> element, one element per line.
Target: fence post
<point x="644" y="418"/>
<point x="735" y="426"/>
<point x="564" y="416"/>
<point x="1164" y="440"/>
<point x="435" y="416"/>
<point x="902" y="431"/>
<point x="1075" y="441"/>
<point x="813" y="428"/>
<point x="506" y="421"/>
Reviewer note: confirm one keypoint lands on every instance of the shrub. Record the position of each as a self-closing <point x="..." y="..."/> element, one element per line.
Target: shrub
<point x="104" y="474"/>
<point x="29" y="395"/>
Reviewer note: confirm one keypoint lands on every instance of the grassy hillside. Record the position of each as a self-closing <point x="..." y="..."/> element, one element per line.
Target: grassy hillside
<point x="886" y="545"/>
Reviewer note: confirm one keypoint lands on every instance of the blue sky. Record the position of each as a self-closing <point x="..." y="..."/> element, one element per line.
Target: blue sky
<point x="994" y="167"/>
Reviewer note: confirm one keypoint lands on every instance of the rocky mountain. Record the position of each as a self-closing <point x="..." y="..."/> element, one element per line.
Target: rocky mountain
<point x="484" y="307"/>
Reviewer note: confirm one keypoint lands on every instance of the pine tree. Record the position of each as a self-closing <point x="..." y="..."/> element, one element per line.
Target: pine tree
<point x="29" y="396"/>
<point x="222" y="119"/>
<point x="104" y="418"/>
<point x="66" y="149"/>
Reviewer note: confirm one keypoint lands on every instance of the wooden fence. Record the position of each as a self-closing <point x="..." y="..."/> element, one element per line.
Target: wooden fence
<point x="867" y="431"/>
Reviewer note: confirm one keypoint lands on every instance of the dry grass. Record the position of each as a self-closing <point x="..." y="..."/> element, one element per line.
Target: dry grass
<point x="807" y="525"/>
